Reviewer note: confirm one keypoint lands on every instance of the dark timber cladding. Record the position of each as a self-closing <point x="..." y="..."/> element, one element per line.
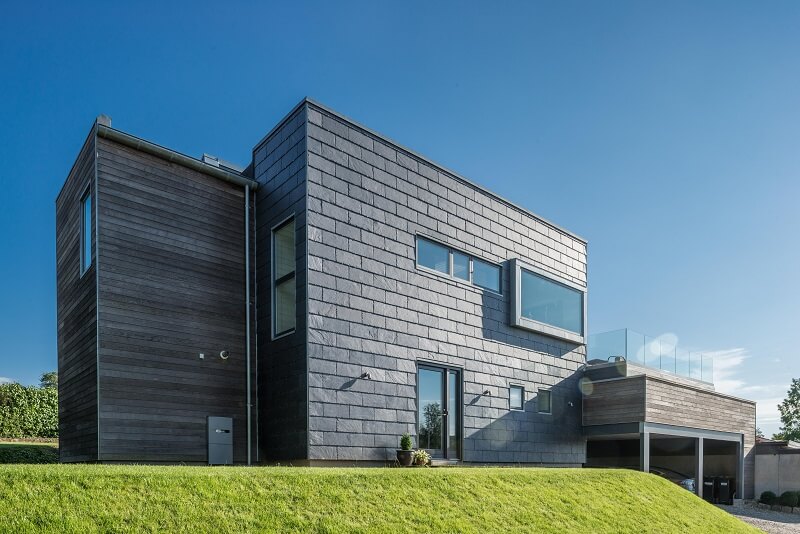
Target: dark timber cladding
<point x="77" y="325"/>
<point x="280" y="169"/>
<point x="171" y="273"/>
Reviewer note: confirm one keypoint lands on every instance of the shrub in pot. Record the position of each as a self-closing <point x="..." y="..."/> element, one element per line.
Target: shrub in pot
<point x="788" y="498"/>
<point x="769" y="498"/>
<point x="405" y="454"/>
<point x="421" y="457"/>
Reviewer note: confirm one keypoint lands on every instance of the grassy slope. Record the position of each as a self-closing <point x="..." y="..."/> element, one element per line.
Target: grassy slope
<point x="90" y="498"/>
<point x="28" y="453"/>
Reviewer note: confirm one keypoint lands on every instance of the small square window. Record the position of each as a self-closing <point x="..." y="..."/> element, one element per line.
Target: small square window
<point x="544" y="402"/>
<point x="486" y="275"/>
<point x="516" y="397"/>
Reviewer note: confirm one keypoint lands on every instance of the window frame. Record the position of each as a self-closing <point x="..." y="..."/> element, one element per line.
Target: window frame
<point x="518" y="321"/>
<point x="446" y="368"/>
<point x="86" y="239"/>
<point x="275" y="282"/>
<point x="451" y="271"/>
<point x="549" y="392"/>
<point x="522" y="397"/>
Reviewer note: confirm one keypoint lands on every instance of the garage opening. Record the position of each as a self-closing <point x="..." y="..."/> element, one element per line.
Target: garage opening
<point x="686" y="461"/>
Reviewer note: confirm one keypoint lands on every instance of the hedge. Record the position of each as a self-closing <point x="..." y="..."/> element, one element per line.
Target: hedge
<point x="788" y="498"/>
<point x="28" y="453"/>
<point x="769" y="497"/>
<point x="28" y="411"/>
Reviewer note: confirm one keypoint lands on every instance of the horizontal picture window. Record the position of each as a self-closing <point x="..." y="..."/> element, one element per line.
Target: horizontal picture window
<point x="551" y="303"/>
<point x="443" y="259"/>
<point x="543" y="303"/>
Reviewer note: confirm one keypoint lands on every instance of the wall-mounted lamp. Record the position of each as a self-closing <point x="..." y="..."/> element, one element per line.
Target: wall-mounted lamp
<point x="365" y="376"/>
<point x="487" y="392"/>
<point x="571" y="404"/>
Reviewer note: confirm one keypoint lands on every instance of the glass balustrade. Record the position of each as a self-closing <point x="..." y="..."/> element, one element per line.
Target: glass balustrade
<point x="655" y="352"/>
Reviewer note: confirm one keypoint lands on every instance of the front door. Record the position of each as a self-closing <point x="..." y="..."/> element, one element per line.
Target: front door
<point x="439" y="415"/>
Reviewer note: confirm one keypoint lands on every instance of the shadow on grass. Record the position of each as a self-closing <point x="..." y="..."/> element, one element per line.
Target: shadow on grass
<point x="28" y="453"/>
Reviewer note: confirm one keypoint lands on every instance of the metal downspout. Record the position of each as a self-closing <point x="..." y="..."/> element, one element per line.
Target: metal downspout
<point x="247" y="318"/>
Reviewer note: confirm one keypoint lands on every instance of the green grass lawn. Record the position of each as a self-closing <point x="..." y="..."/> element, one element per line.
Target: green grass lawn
<point x="28" y="453"/>
<point x="92" y="498"/>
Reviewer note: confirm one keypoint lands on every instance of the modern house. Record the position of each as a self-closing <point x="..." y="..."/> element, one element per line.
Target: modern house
<point x="337" y="292"/>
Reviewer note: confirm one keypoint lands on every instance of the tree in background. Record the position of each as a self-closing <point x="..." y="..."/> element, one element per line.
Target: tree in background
<point x="790" y="414"/>
<point x="759" y="432"/>
<point x="430" y="435"/>
<point x="49" y="380"/>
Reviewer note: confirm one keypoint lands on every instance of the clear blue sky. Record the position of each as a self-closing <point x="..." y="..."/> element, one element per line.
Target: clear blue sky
<point x="666" y="133"/>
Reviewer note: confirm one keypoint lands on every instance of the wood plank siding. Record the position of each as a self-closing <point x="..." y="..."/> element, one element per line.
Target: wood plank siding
<point x="172" y="286"/>
<point x="614" y="401"/>
<point x="672" y="404"/>
<point x="76" y="296"/>
<point x="654" y="399"/>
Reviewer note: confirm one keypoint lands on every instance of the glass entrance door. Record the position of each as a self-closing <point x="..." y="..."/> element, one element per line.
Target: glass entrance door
<point x="439" y="415"/>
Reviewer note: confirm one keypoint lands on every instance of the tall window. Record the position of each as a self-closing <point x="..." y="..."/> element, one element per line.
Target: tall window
<point x="437" y="257"/>
<point x="544" y="401"/>
<point x="86" y="231"/>
<point x="516" y="397"/>
<point x="283" y="279"/>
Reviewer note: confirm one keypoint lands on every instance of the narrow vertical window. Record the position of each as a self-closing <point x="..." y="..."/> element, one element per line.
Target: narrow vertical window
<point x="544" y="402"/>
<point x="516" y="397"/>
<point x="283" y="279"/>
<point x="86" y="231"/>
<point x="461" y="266"/>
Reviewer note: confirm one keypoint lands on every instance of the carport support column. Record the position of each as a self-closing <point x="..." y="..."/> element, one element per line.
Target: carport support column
<point x="698" y="477"/>
<point x="644" y="452"/>
<point x="740" y="469"/>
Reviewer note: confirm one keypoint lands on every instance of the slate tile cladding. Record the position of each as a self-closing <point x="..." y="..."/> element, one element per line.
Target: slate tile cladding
<point x="371" y="310"/>
<point x="280" y="169"/>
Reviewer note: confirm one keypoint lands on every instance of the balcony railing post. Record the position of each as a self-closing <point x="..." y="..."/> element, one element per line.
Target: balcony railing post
<point x="625" y="333"/>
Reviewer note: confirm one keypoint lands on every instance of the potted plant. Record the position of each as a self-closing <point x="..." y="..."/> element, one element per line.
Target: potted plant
<point x="405" y="456"/>
<point x="421" y="457"/>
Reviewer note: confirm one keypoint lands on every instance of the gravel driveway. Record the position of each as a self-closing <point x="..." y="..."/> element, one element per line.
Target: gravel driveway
<point x="766" y="520"/>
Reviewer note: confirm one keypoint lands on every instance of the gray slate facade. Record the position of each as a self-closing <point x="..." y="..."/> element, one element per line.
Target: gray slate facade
<point x="361" y="200"/>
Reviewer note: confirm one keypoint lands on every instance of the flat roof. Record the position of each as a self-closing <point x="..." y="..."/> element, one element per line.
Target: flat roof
<point x="222" y="172"/>
<point x="394" y="144"/>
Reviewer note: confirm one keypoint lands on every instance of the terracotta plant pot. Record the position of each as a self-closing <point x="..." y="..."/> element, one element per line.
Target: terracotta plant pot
<point x="405" y="458"/>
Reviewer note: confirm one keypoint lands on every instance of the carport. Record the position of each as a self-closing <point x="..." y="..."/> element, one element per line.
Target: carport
<point x="662" y="420"/>
<point x="675" y="450"/>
